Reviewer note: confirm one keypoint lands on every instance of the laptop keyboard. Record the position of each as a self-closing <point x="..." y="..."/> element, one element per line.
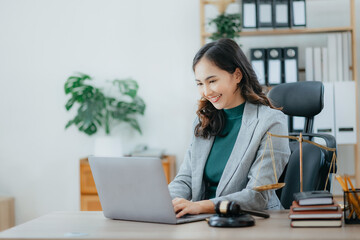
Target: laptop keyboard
<point x="193" y="218"/>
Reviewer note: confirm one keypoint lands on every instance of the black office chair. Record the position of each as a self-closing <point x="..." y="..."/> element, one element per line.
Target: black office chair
<point x="303" y="99"/>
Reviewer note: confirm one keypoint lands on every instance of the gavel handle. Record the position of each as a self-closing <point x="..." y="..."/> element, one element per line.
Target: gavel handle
<point x="256" y="213"/>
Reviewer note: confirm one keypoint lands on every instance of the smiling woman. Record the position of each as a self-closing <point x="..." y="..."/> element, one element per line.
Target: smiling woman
<point x="234" y="116"/>
<point x="221" y="87"/>
<point x="237" y="79"/>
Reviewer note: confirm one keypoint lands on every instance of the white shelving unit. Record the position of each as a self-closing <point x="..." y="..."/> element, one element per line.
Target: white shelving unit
<point x="222" y="4"/>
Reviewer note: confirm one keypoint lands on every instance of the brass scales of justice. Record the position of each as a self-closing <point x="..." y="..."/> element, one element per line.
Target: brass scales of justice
<point x="300" y="139"/>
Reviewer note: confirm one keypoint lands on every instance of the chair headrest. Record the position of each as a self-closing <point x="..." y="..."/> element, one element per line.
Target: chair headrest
<point x="302" y="99"/>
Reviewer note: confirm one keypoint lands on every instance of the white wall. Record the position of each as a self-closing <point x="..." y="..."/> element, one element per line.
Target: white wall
<point x="43" y="42"/>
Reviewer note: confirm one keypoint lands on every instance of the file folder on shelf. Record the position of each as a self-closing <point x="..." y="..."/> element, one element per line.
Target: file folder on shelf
<point x="345" y="109"/>
<point x="340" y="57"/>
<point x="249" y="13"/>
<point x="309" y="64"/>
<point x="325" y="64"/>
<point x="258" y="60"/>
<point x="291" y="72"/>
<point x="346" y="56"/>
<point x="298" y="13"/>
<point x="274" y="65"/>
<point x="332" y="57"/>
<point x="317" y="65"/>
<point x="324" y="122"/>
<point x="281" y="13"/>
<point x="264" y="13"/>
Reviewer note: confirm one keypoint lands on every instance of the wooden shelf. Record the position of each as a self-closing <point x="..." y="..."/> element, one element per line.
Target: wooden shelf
<point x="287" y="31"/>
<point x="216" y="1"/>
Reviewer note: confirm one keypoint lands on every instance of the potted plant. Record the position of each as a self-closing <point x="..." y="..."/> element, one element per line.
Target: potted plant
<point x="97" y="109"/>
<point x="227" y="25"/>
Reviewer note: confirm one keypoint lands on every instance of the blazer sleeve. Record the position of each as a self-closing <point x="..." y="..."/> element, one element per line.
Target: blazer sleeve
<point x="249" y="198"/>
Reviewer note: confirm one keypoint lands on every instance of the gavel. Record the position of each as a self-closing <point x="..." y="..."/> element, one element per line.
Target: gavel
<point x="233" y="209"/>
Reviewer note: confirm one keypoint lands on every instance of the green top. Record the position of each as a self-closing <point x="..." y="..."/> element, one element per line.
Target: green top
<point x="221" y="149"/>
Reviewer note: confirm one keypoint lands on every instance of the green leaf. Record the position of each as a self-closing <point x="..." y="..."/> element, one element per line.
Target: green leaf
<point x="69" y="124"/>
<point x="74" y="82"/>
<point x="127" y="86"/>
<point x="69" y="104"/>
<point x="227" y="25"/>
<point x="134" y="123"/>
<point x="91" y="130"/>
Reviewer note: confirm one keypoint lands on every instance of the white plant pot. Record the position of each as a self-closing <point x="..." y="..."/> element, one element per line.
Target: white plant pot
<point x="108" y="147"/>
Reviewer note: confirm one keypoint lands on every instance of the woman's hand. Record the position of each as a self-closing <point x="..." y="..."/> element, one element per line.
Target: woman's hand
<point x="183" y="206"/>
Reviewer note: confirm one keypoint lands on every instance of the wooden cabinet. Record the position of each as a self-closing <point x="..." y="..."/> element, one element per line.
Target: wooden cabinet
<point x="90" y="202"/>
<point x="89" y="199"/>
<point x="7" y="214"/>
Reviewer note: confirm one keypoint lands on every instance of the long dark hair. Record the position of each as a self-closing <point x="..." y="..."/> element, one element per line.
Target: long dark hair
<point x="227" y="55"/>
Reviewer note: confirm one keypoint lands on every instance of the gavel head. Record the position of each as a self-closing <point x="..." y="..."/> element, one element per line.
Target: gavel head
<point x="227" y="209"/>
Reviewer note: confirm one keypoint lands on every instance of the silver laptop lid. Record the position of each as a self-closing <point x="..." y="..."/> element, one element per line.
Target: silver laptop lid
<point x="133" y="188"/>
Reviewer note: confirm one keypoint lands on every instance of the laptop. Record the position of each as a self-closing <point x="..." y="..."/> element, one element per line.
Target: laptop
<point x="135" y="188"/>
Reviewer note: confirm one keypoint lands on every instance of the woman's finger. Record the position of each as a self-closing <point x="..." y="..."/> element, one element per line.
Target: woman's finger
<point x="179" y="207"/>
<point x="182" y="212"/>
<point x="177" y="200"/>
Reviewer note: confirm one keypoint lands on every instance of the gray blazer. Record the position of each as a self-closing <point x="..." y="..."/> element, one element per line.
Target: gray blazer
<point x="240" y="172"/>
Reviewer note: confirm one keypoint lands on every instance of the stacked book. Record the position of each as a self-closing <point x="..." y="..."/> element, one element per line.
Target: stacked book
<point x="315" y="209"/>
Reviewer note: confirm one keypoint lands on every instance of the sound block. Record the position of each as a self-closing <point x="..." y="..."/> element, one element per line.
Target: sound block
<point x="244" y="220"/>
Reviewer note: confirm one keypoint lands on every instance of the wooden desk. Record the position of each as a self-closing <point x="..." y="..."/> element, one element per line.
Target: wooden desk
<point x="58" y="225"/>
<point x="89" y="199"/>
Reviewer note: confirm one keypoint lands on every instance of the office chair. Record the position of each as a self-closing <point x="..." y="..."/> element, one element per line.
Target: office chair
<point x="303" y="99"/>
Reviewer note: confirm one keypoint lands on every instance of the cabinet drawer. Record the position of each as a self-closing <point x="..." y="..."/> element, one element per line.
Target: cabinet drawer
<point x="87" y="184"/>
<point x="7" y="213"/>
<point x="168" y="163"/>
<point x="90" y="203"/>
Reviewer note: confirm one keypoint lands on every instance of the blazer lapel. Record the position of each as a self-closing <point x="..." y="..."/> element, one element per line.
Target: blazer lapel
<point x="203" y="147"/>
<point x="248" y="125"/>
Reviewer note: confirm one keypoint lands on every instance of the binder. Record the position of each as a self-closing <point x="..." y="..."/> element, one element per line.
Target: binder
<point x="332" y="57"/>
<point x="274" y="58"/>
<point x="258" y="60"/>
<point x="281" y="13"/>
<point x="345" y="109"/>
<point x="264" y="13"/>
<point x="309" y="64"/>
<point x="325" y="66"/>
<point x="346" y="56"/>
<point x="317" y="64"/>
<point x="340" y="57"/>
<point x="298" y="13"/>
<point x="324" y="122"/>
<point x="291" y="65"/>
<point x="249" y="13"/>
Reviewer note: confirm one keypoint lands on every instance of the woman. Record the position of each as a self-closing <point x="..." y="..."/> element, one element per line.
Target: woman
<point x="234" y="116"/>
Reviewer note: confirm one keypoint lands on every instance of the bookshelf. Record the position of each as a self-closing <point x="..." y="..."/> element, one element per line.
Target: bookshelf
<point x="222" y="4"/>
